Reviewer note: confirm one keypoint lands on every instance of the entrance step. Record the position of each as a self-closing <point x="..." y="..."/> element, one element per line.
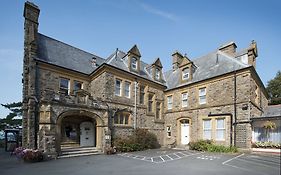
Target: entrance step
<point x="79" y="151"/>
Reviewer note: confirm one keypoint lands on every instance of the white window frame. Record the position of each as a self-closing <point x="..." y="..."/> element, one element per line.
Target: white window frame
<point x="127" y="89"/>
<point x="184" y="99"/>
<point x="157" y="73"/>
<point x="220" y="129"/>
<point x="207" y="129"/>
<point x="118" y="90"/>
<point x="68" y="85"/>
<point x="170" y="102"/>
<point x="185" y="73"/>
<point x="134" y="63"/>
<point x="202" y="96"/>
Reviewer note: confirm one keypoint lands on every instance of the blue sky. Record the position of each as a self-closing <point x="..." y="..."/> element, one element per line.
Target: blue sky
<point x="157" y="27"/>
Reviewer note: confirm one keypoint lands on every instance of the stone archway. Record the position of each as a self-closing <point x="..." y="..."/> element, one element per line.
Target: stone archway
<point x="68" y="128"/>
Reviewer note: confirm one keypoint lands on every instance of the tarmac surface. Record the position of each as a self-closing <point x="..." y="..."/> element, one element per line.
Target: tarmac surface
<point x="156" y="162"/>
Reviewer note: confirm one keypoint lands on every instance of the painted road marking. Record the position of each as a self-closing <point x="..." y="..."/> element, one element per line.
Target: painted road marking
<point x="160" y="158"/>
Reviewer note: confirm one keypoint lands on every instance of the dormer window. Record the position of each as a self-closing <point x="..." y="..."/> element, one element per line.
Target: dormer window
<point x="134" y="63"/>
<point x="185" y="74"/>
<point x="157" y="74"/>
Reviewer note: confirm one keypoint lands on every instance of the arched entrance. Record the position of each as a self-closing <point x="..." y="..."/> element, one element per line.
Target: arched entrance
<point x="79" y="129"/>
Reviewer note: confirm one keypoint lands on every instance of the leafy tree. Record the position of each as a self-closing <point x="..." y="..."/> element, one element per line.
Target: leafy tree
<point x="274" y="89"/>
<point x="16" y="111"/>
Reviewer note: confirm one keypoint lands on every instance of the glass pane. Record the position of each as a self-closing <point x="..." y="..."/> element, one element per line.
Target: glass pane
<point x="207" y="135"/>
<point x="77" y="85"/>
<point x="220" y="134"/>
<point x="207" y="124"/>
<point x="202" y="91"/>
<point x="121" y="117"/>
<point x="126" y="119"/>
<point x="64" y="83"/>
<point x="220" y="123"/>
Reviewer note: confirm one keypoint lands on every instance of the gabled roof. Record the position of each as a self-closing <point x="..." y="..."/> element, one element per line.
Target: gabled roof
<point x="185" y="61"/>
<point x="135" y="50"/>
<point x="61" y="54"/>
<point x="211" y="65"/>
<point x="157" y="63"/>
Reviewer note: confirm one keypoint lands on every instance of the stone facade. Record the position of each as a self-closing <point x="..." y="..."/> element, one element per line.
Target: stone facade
<point x="109" y="94"/>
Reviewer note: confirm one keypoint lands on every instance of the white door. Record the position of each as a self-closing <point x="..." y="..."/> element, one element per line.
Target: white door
<point x="184" y="133"/>
<point x="87" y="134"/>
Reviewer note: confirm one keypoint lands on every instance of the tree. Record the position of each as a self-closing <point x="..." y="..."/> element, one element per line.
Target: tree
<point x="274" y="89"/>
<point x="16" y="111"/>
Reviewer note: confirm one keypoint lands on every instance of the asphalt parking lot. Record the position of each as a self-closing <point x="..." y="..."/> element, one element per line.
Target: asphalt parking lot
<point x="149" y="162"/>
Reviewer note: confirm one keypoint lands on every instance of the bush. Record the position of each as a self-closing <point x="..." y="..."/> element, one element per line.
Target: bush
<point x="141" y="139"/>
<point x="208" y="145"/>
<point x="28" y="155"/>
<point x="266" y="145"/>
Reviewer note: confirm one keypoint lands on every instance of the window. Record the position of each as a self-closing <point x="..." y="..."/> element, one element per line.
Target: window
<point x="220" y="129"/>
<point x="169" y="132"/>
<point x="64" y="86"/>
<point x="157" y="74"/>
<point x="121" y="118"/>
<point x="158" y="110"/>
<point x="207" y="129"/>
<point x="150" y="102"/>
<point x="77" y="85"/>
<point x="134" y="63"/>
<point x="185" y="73"/>
<point x="169" y="102"/>
<point x="142" y="93"/>
<point x="202" y="95"/>
<point x="118" y="87"/>
<point x="184" y="101"/>
<point x="127" y="89"/>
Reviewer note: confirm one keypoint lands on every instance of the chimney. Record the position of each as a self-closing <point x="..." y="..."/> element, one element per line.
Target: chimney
<point x="177" y="59"/>
<point x="31" y="15"/>
<point x="252" y="53"/>
<point x="229" y="48"/>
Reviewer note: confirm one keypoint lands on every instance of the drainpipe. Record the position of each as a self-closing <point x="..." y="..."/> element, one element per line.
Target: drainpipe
<point x="135" y="108"/>
<point x="235" y="108"/>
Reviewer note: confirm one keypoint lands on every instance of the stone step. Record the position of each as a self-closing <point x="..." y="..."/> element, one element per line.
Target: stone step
<point x="78" y="155"/>
<point x="80" y="151"/>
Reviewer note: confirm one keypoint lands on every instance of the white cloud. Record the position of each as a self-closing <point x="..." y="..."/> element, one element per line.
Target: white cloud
<point x="158" y="12"/>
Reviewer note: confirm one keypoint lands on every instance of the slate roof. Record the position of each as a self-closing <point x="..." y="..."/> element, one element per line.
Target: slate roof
<point x="120" y="60"/>
<point x="211" y="65"/>
<point x="272" y="111"/>
<point x="60" y="54"/>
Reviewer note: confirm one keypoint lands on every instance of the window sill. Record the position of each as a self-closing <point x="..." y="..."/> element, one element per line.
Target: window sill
<point x="150" y="113"/>
<point x="122" y="126"/>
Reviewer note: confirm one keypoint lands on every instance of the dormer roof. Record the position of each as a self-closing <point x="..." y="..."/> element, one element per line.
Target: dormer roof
<point x="134" y="50"/>
<point x="157" y="63"/>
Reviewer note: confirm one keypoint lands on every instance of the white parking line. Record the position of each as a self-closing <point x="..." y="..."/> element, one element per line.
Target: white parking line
<point x="232" y="158"/>
<point x="162" y="158"/>
<point x="169" y="157"/>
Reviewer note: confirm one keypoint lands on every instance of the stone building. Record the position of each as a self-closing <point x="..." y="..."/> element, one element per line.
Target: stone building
<point x="72" y="98"/>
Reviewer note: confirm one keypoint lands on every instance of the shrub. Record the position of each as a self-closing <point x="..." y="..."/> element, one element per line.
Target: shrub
<point x="28" y="155"/>
<point x="208" y="145"/>
<point x="141" y="139"/>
